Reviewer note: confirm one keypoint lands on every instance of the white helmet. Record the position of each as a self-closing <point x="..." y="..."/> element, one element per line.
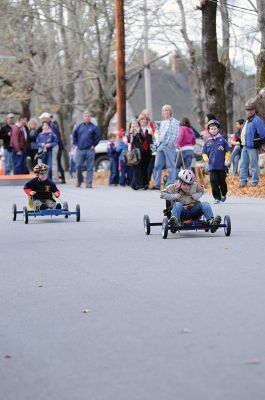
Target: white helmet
<point x="187" y="176"/>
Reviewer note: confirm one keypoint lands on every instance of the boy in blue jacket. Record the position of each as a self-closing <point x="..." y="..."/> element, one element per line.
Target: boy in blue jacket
<point x="216" y="151"/>
<point x="114" y="160"/>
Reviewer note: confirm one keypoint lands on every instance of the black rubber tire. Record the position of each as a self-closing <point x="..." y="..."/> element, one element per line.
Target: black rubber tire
<point x="14" y="212"/>
<point x="65" y="207"/>
<point x="102" y="163"/>
<point x="164" y="228"/>
<point x="25" y="215"/>
<point x="78" y="213"/>
<point x="227" y="228"/>
<point x="147" y="227"/>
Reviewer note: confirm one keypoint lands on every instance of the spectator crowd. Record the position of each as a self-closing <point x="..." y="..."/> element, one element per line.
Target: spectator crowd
<point x="152" y="146"/>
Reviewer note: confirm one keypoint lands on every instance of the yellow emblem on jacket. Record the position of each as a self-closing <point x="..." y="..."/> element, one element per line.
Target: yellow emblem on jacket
<point x="47" y="188"/>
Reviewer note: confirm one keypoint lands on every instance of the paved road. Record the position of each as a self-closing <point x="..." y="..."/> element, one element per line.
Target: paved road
<point x="181" y="318"/>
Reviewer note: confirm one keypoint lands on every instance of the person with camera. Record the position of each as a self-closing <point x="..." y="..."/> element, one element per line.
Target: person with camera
<point x="140" y="140"/>
<point x="252" y="137"/>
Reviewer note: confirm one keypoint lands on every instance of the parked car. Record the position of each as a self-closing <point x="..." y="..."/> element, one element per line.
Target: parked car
<point x="101" y="158"/>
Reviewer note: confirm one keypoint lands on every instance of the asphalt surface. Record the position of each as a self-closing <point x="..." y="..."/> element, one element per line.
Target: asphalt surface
<point x="97" y="310"/>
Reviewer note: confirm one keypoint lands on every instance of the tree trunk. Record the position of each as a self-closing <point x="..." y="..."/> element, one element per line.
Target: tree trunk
<point x="193" y="66"/>
<point x="229" y="84"/>
<point x="213" y="72"/>
<point x="25" y="105"/>
<point x="261" y="57"/>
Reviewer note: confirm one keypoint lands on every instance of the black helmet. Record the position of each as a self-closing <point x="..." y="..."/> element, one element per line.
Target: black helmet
<point x="213" y="122"/>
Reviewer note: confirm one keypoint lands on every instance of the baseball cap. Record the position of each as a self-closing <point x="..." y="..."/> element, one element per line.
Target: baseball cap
<point x="10" y="115"/>
<point x="250" y="104"/>
<point x="44" y="115"/>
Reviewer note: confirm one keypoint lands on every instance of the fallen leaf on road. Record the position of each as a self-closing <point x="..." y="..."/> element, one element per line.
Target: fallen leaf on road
<point x="252" y="361"/>
<point x="40" y="285"/>
<point x="86" y="310"/>
<point x="8" y="356"/>
<point x="185" y="331"/>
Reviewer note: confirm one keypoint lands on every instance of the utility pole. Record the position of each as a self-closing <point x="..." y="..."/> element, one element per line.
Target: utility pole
<point x="120" y="65"/>
<point x="147" y="72"/>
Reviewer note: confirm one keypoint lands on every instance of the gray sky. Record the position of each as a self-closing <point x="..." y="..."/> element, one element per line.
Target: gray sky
<point x="243" y="31"/>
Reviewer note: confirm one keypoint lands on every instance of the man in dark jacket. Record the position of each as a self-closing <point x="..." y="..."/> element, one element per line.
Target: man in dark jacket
<point x="86" y="136"/>
<point x="18" y="142"/>
<point x="5" y="133"/>
<point x="252" y="134"/>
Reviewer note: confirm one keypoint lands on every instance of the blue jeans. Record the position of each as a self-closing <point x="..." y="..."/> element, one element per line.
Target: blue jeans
<point x="199" y="209"/>
<point x="165" y="156"/>
<point x="114" y="171"/>
<point x="59" y="163"/>
<point x="125" y="174"/>
<point x="72" y="165"/>
<point x="47" y="159"/>
<point x="234" y="159"/>
<point x="19" y="162"/>
<point x="85" y="156"/>
<point x="187" y="156"/>
<point x="249" y="157"/>
<point x="8" y="161"/>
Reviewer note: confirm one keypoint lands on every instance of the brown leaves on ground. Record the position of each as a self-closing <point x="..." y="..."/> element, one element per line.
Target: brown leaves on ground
<point x="235" y="190"/>
<point x="102" y="178"/>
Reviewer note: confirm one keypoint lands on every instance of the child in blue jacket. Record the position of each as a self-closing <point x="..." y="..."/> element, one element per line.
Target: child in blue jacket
<point x="114" y="160"/>
<point x="216" y="151"/>
<point x="125" y="170"/>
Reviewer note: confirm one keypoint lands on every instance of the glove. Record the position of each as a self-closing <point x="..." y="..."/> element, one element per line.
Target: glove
<point x="57" y="194"/>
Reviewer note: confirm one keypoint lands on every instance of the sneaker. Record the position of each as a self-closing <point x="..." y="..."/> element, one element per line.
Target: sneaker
<point x="43" y="207"/>
<point x="223" y="199"/>
<point x="88" y="186"/>
<point x="173" y="224"/>
<point x="254" y="185"/>
<point x="242" y="185"/>
<point x="155" y="188"/>
<point x="215" y="221"/>
<point x="216" y="201"/>
<point x="58" y="206"/>
<point x="78" y="184"/>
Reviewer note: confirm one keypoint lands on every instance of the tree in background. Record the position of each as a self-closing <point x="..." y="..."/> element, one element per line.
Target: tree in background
<point x="213" y="71"/>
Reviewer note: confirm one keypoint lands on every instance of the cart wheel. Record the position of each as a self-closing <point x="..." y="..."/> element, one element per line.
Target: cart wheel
<point x="14" y="212"/>
<point x="165" y="228"/>
<point x="78" y="213"/>
<point x="147" y="227"/>
<point x="227" y="228"/>
<point x="25" y="215"/>
<point x="65" y="207"/>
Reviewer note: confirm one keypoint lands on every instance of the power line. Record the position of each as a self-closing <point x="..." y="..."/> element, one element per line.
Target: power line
<point x="236" y="8"/>
<point x="240" y="8"/>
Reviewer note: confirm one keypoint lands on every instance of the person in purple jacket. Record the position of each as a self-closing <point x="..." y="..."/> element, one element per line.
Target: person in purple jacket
<point x="46" y="141"/>
<point x="86" y="136"/>
<point x="216" y="151"/>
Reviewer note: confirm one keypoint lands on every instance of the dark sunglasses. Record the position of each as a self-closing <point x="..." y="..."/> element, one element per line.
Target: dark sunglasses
<point x="43" y="172"/>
